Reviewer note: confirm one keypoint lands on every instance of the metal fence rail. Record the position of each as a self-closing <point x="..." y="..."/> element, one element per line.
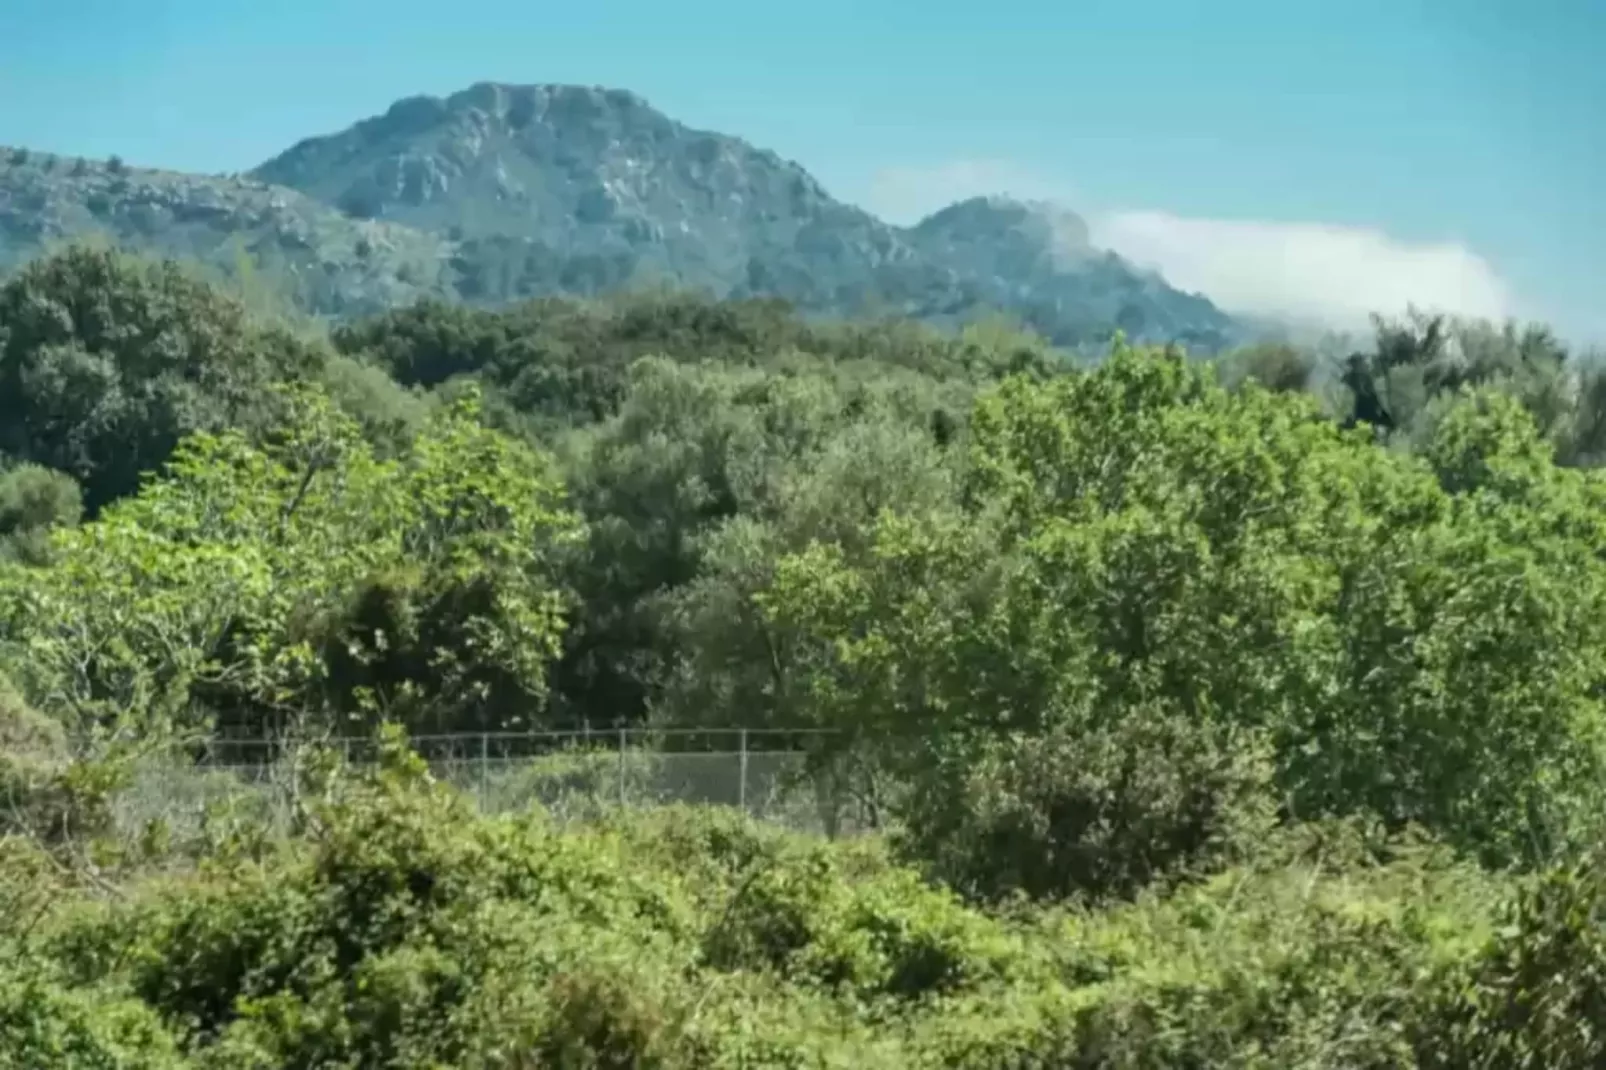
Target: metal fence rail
<point x="572" y="774"/>
<point x="473" y="746"/>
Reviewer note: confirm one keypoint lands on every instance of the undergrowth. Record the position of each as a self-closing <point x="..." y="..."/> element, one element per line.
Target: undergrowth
<point x="393" y="925"/>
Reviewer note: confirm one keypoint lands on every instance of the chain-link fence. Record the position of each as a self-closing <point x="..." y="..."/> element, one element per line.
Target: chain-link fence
<point x="572" y="774"/>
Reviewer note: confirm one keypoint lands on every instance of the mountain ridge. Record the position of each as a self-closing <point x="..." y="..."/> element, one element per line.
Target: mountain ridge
<point x="501" y="192"/>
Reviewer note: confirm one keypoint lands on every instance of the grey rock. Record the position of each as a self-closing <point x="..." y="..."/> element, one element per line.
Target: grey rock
<point x="508" y="191"/>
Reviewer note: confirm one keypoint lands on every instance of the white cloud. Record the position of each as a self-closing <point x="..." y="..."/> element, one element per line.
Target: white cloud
<point x="1314" y="271"/>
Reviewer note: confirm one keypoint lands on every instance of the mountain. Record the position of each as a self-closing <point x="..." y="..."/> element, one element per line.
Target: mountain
<point x="501" y="192"/>
<point x="323" y="259"/>
<point x="1037" y="261"/>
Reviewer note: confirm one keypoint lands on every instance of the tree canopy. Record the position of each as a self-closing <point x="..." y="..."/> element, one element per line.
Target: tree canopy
<point x="1244" y="713"/>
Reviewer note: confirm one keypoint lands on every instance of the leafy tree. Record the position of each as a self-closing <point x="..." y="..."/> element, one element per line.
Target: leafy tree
<point x="389" y="414"/>
<point x="458" y="629"/>
<point x="561" y="362"/>
<point x="1418" y="365"/>
<point x="1138" y="535"/>
<point x="228" y="583"/>
<point x="33" y="500"/>
<point x="107" y="362"/>
<point x="696" y="449"/>
<point x="733" y="670"/>
<point x="1274" y="365"/>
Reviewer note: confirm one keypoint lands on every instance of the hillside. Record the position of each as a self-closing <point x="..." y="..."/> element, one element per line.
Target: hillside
<point x="504" y="192"/>
<point x="322" y="259"/>
<point x="1037" y="261"/>
<point x="586" y="171"/>
<point x="1033" y="714"/>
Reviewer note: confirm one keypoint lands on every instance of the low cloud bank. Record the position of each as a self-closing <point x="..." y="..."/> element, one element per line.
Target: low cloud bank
<point x="1302" y="270"/>
<point x="1307" y="270"/>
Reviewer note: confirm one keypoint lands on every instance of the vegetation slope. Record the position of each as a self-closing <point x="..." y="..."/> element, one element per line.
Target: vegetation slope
<point x="1226" y="714"/>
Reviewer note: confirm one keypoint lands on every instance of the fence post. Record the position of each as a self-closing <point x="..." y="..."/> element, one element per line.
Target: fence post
<point x="624" y="741"/>
<point x="485" y="770"/>
<point x="741" y="790"/>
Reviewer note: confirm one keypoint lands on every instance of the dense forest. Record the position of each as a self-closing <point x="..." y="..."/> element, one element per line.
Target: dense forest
<point x="1242" y="713"/>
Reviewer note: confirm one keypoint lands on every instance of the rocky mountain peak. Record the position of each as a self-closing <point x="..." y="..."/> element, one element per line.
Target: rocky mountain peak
<point x="440" y="161"/>
<point x="502" y="191"/>
<point x="534" y="169"/>
<point x="1034" y="228"/>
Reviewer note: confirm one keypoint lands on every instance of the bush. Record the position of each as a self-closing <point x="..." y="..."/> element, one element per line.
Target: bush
<point x="412" y="932"/>
<point x="401" y="928"/>
<point x="26" y="733"/>
<point x="33" y="761"/>
<point x="1314" y="961"/>
<point x="1146" y="801"/>
<point x="44" y="1026"/>
<point x="578" y="783"/>
<point x="34" y="499"/>
<point x="1536" y="993"/>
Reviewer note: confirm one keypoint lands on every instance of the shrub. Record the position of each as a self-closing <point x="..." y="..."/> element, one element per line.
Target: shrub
<point x="1146" y="801"/>
<point x="1535" y="996"/>
<point x="402" y="928"/>
<point x="34" y="499"/>
<point x="1321" y="963"/>
<point x="44" y="1026"/>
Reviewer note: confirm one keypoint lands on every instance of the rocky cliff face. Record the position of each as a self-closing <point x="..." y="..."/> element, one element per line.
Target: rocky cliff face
<point x="321" y="257"/>
<point x="1037" y="260"/>
<point x="506" y="191"/>
<point x="594" y="172"/>
<point x="1000" y="236"/>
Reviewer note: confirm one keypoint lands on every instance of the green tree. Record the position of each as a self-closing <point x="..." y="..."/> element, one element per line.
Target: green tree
<point x="735" y="666"/>
<point x="696" y="449"/>
<point x="106" y="362"/>
<point x="34" y="500"/>
<point x="226" y="586"/>
<point x="1139" y="537"/>
<point x="1419" y="364"/>
<point x="1274" y="365"/>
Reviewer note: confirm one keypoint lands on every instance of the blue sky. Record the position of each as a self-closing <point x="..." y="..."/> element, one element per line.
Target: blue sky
<point x="1304" y="156"/>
